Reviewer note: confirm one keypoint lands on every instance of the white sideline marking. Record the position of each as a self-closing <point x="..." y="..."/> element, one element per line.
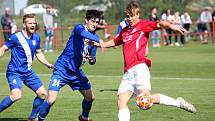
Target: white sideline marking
<point x="104" y="76"/>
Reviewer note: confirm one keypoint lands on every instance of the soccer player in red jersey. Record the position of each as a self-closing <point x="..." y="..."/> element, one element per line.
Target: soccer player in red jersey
<point x="136" y="78"/>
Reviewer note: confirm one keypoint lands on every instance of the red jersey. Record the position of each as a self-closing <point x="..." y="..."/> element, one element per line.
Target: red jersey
<point x="134" y="40"/>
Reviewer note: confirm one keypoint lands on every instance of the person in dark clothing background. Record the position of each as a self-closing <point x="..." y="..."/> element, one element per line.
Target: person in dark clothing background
<point x="6" y="20"/>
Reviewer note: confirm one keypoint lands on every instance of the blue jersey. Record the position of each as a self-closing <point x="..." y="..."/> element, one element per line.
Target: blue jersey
<point x="23" y="49"/>
<point x="122" y="25"/>
<point x="77" y="48"/>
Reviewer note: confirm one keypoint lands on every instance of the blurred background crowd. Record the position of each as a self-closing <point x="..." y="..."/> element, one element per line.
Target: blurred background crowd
<point x="56" y="18"/>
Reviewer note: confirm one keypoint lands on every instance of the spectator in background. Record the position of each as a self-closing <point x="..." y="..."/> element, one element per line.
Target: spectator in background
<point x="213" y="16"/>
<point x="103" y="25"/>
<point x="13" y="27"/>
<point x="6" y="24"/>
<point x="163" y="30"/>
<point x="213" y="24"/>
<point x="155" y="35"/>
<point x="186" y="22"/>
<point x="169" y="18"/>
<point x="202" y="23"/>
<point x="177" y="21"/>
<point x="48" y="19"/>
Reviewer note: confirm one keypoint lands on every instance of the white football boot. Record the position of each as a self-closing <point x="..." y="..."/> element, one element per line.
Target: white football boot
<point x="186" y="106"/>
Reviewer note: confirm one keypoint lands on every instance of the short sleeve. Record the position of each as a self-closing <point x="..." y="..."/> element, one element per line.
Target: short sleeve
<point x="118" y="39"/>
<point x="10" y="42"/>
<point x="38" y="44"/>
<point x="80" y="29"/>
<point x="149" y="26"/>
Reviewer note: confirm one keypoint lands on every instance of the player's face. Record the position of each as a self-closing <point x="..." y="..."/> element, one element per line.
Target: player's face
<point x="30" y="25"/>
<point x="92" y="24"/>
<point x="133" y="18"/>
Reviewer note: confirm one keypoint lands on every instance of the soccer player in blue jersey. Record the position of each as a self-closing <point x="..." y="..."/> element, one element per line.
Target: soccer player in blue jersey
<point x="24" y="45"/>
<point x="67" y="71"/>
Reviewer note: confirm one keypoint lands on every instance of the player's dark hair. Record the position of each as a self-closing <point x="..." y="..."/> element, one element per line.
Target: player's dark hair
<point x="132" y="7"/>
<point x="32" y="15"/>
<point x="92" y="14"/>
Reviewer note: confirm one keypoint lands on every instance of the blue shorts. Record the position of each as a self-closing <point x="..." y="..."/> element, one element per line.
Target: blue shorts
<point x="30" y="79"/>
<point x="76" y="80"/>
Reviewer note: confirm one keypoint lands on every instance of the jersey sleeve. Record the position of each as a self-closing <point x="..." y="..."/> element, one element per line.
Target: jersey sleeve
<point x="118" y="40"/>
<point x="38" y="43"/>
<point x="80" y="29"/>
<point x="149" y="26"/>
<point x="11" y="41"/>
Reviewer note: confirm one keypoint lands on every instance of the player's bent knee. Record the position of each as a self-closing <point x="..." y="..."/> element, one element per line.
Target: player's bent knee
<point x="43" y="96"/>
<point x="42" y="93"/>
<point x="16" y="97"/>
<point x="51" y="102"/>
<point x="92" y="98"/>
<point x="122" y="104"/>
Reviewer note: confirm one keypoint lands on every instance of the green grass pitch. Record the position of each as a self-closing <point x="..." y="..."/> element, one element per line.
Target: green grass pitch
<point x="187" y="71"/>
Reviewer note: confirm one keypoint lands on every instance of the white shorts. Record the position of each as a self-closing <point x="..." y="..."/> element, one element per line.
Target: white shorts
<point x="136" y="78"/>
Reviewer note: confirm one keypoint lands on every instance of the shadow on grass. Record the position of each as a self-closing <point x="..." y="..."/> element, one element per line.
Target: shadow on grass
<point x="13" y="119"/>
<point x="113" y="90"/>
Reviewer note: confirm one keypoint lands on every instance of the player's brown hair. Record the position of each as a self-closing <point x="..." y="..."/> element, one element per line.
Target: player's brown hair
<point x="132" y="8"/>
<point x="32" y="15"/>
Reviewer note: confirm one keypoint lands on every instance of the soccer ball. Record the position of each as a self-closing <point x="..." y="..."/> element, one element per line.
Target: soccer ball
<point x="144" y="101"/>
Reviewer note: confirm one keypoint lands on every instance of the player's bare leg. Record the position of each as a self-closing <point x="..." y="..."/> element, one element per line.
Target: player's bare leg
<point x="123" y="99"/>
<point x="9" y="100"/>
<point x="45" y="107"/>
<point x="179" y="102"/>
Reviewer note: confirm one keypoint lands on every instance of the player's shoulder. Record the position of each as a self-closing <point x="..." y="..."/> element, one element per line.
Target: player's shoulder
<point x="13" y="36"/>
<point x="36" y="36"/>
<point x="79" y="25"/>
<point x="144" y="20"/>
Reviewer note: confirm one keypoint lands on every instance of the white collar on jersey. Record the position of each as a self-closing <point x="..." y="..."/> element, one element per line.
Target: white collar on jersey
<point x="23" y="32"/>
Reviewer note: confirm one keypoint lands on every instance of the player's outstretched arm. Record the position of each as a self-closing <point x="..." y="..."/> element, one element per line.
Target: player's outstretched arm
<point x="109" y="43"/>
<point x="176" y="28"/>
<point x="3" y="49"/>
<point x="41" y="57"/>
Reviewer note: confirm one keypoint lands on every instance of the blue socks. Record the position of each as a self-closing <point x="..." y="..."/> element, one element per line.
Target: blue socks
<point x="36" y="107"/>
<point x="86" y="107"/>
<point x="44" y="110"/>
<point x="5" y="103"/>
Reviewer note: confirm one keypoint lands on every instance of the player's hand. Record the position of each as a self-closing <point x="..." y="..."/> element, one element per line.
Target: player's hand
<point x="178" y="28"/>
<point x="50" y="66"/>
<point x="91" y="59"/>
<point x="102" y="45"/>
